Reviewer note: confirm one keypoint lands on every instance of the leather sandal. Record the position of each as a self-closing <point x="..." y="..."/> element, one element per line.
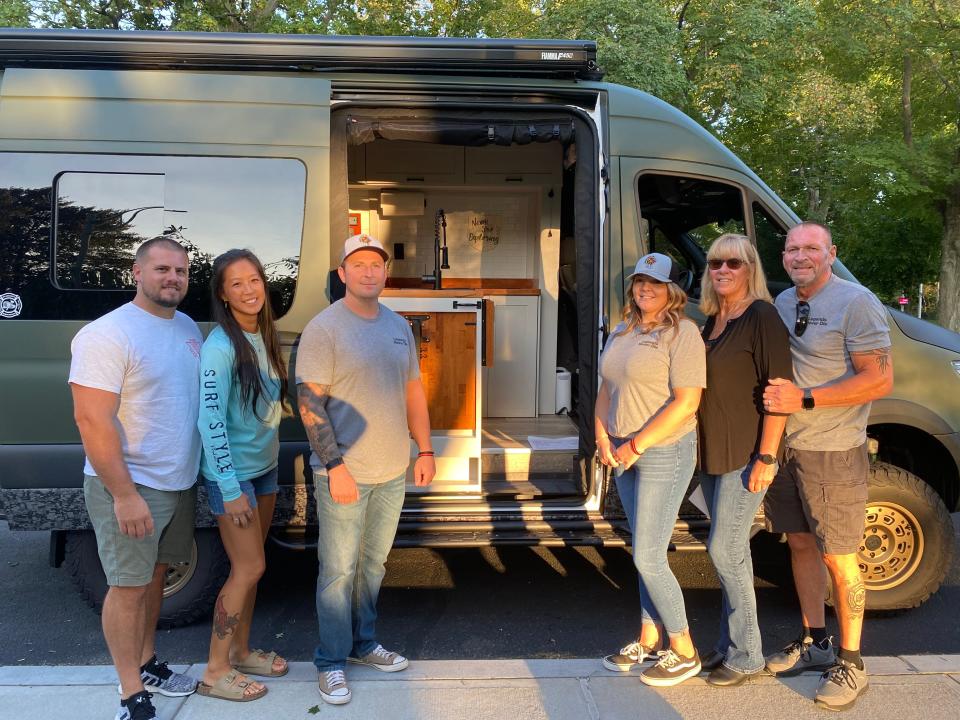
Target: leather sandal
<point x="232" y="687"/>
<point x="260" y="663"/>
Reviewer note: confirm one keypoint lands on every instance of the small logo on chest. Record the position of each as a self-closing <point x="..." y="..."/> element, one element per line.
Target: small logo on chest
<point x="194" y="346"/>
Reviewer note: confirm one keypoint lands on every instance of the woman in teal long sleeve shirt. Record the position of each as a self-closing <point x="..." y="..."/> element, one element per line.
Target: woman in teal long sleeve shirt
<point x="243" y="382"/>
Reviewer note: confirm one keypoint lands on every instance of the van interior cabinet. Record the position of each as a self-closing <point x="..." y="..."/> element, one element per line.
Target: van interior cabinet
<point x="413" y="163"/>
<point x="447" y="343"/>
<point x="511" y="382"/>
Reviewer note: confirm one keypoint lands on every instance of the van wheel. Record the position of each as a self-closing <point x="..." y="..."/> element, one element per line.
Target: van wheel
<point x="190" y="589"/>
<point x="908" y="541"/>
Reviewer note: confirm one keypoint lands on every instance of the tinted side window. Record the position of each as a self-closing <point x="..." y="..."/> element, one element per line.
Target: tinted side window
<point x="69" y="225"/>
<point x="682" y="216"/>
<point x="771" y="237"/>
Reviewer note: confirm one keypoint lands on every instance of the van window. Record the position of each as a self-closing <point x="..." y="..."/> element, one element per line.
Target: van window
<point x="70" y="225"/>
<point x="101" y="219"/>
<point x="771" y="237"/>
<point x="683" y="215"/>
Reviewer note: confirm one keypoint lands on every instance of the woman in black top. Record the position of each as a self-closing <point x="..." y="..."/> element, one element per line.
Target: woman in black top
<point x="747" y="343"/>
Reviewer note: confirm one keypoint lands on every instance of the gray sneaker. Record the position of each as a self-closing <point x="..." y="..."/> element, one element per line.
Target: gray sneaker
<point x="333" y="687"/>
<point x="158" y="678"/>
<point x="841" y="685"/>
<point x="628" y="658"/>
<point x="799" y="656"/>
<point x="382" y="659"/>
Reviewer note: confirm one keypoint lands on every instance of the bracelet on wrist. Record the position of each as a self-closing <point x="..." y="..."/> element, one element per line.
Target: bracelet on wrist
<point x="425" y="453"/>
<point x="634" y="447"/>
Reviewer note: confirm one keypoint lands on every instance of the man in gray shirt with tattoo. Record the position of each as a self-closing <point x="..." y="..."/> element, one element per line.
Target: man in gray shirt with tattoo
<point x="840" y="343"/>
<point x="360" y="398"/>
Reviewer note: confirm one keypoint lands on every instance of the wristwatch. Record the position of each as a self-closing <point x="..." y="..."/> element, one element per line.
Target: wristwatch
<point x="767" y="459"/>
<point x="808" y="403"/>
<point x="336" y="462"/>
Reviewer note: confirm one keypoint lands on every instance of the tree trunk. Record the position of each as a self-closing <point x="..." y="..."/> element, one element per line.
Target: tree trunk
<point x="949" y="303"/>
<point x="906" y="109"/>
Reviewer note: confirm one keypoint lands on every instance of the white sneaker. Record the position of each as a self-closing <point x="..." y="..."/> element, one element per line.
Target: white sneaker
<point x="333" y="687"/>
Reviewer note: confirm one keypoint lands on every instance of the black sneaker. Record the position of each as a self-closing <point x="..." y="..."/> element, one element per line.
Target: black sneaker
<point x="671" y="669"/>
<point x="136" y="707"/>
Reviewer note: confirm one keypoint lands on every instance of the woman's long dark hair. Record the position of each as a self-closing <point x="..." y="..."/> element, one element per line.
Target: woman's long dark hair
<point x="245" y="366"/>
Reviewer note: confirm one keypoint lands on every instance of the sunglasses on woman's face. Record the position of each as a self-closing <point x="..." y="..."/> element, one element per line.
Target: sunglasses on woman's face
<point x="732" y="263"/>
<point x="803" y="318"/>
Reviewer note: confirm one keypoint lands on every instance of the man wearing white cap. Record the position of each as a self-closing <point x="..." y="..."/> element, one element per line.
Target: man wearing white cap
<point x="360" y="398"/>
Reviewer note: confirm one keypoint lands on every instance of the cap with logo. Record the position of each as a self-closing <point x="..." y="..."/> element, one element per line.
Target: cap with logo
<point x="362" y="242"/>
<point x="657" y="266"/>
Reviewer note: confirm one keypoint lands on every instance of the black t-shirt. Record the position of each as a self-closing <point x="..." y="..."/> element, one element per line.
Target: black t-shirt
<point x="751" y="349"/>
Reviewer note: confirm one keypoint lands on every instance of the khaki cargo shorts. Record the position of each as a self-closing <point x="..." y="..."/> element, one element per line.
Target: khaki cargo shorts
<point x="823" y="493"/>
<point x="127" y="561"/>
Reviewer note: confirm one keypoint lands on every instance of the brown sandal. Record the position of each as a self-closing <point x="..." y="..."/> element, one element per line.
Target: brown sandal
<point x="261" y="663"/>
<point x="232" y="687"/>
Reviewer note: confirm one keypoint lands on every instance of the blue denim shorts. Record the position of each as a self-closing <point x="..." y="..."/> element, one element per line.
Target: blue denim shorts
<point x="266" y="484"/>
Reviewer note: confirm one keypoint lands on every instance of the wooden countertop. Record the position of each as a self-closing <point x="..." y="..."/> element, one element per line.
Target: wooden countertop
<point x="457" y="292"/>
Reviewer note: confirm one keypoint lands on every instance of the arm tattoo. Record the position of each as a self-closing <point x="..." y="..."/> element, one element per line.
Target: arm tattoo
<point x="224" y="624"/>
<point x="856" y="600"/>
<point x="313" y="412"/>
<point x="881" y="356"/>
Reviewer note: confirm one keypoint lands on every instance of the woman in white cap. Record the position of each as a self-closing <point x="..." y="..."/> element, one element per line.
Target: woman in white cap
<point x="653" y="373"/>
<point x="747" y="344"/>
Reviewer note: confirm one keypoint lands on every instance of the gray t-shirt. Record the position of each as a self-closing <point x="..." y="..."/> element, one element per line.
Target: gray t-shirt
<point x="641" y="371"/>
<point x="844" y="317"/>
<point x="367" y="364"/>
<point x="153" y="364"/>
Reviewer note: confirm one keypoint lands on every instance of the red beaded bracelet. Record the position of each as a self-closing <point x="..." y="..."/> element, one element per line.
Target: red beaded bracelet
<point x="425" y="453"/>
<point x="634" y="447"/>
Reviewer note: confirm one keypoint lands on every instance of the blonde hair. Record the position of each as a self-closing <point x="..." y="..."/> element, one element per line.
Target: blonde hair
<point x="672" y="315"/>
<point x="730" y="245"/>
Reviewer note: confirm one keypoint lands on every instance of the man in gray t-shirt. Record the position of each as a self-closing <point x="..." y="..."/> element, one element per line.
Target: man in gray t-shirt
<point x="840" y="344"/>
<point x="360" y="397"/>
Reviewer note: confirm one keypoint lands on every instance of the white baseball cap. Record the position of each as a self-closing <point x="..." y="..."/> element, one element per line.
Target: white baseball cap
<point x="362" y="242"/>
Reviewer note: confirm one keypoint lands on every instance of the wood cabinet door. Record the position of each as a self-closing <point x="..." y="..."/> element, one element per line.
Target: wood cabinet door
<point x="448" y="353"/>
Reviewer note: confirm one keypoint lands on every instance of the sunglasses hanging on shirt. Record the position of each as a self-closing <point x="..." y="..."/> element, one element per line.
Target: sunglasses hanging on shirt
<point x="803" y="318"/>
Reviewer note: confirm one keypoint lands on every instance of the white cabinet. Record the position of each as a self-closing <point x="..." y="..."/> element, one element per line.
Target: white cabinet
<point x="517" y="165"/>
<point x="510" y="385"/>
<point x="413" y="163"/>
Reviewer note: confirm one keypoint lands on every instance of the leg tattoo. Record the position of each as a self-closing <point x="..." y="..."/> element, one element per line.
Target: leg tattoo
<point x="857" y="599"/>
<point x="224" y="624"/>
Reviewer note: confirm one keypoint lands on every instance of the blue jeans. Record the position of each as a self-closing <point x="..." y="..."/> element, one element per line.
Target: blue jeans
<point x="651" y="492"/>
<point x="353" y="545"/>
<point x="266" y="484"/>
<point x="732" y="508"/>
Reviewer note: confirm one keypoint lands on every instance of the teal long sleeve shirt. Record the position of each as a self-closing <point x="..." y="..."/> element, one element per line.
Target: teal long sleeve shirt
<point x="236" y="444"/>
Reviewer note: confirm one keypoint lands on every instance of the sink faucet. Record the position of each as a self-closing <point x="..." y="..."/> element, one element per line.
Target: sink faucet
<point x="441" y="256"/>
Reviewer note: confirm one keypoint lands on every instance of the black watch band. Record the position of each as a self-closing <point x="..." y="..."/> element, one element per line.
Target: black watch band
<point x="336" y="462"/>
<point x="767" y="459"/>
<point x="808" y="403"/>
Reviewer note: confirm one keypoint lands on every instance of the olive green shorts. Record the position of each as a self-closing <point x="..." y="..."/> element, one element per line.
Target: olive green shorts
<point x="128" y="561"/>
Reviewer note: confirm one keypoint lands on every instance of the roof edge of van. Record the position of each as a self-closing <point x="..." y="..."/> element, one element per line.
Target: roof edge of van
<point x="570" y="59"/>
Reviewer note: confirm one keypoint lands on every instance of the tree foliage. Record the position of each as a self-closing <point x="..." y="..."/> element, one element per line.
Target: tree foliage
<point x="849" y="109"/>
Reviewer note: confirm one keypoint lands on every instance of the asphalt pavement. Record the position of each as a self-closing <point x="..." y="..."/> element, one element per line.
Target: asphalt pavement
<point x="471" y="604"/>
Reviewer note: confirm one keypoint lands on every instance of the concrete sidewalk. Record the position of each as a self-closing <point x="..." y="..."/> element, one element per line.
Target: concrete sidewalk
<point x="925" y="687"/>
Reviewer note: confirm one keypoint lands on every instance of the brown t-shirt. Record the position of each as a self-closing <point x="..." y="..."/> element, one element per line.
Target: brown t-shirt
<point x="752" y="348"/>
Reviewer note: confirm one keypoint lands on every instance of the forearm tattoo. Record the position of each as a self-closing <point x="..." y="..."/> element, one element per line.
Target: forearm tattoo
<point x="223" y="624"/>
<point x="856" y="600"/>
<point x="313" y="411"/>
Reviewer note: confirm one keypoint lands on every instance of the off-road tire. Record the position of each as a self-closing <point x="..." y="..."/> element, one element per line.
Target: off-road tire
<point x="189" y="599"/>
<point x="908" y="543"/>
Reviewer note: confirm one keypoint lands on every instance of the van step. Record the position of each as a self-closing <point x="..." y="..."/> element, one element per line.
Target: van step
<point x="519" y="463"/>
<point x="527" y="533"/>
<point x="530" y="488"/>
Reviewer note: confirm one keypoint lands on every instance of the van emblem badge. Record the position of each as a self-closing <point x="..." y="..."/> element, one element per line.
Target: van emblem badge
<point x="10" y="305"/>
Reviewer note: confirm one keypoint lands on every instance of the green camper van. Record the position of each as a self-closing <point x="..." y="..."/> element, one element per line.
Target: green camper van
<point x="514" y="189"/>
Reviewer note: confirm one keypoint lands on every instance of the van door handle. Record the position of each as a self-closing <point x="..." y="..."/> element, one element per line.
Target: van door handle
<point x="475" y="305"/>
